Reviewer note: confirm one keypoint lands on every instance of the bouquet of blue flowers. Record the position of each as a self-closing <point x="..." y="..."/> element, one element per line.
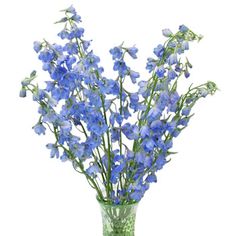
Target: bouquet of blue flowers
<point x="117" y="138"/>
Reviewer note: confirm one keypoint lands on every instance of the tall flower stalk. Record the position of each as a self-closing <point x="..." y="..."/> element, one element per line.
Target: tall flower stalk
<point x="90" y="115"/>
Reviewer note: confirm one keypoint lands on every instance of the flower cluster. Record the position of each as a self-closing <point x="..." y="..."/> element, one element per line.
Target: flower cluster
<point x="89" y="114"/>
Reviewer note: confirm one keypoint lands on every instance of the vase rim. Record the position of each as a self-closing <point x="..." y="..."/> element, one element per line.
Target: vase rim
<point x="101" y="202"/>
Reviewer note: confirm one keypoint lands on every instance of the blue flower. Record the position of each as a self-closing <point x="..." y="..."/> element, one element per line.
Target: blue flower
<point x="167" y="32"/>
<point x="157" y="126"/>
<point x="163" y="100"/>
<point x="186" y="73"/>
<point x="54" y="150"/>
<point x="130" y="131"/>
<point x="185" y="45"/>
<point x="159" y="51"/>
<point x="151" y="64"/>
<point x="186" y="111"/>
<point x="91" y="61"/>
<point x="148" y="145"/>
<point x="154" y="113"/>
<point x="46" y="55"/>
<point x="121" y="67"/>
<point x="64" y="34"/>
<point x="140" y="157"/>
<point x="132" y="52"/>
<point x="77" y="32"/>
<point x="134" y="75"/>
<point x="86" y="44"/>
<point x="151" y="178"/>
<point x="115" y="172"/>
<point x="71" y="48"/>
<point x="183" y="122"/>
<point x="144" y="131"/>
<point x="171" y="74"/>
<point x="170" y="126"/>
<point x="37" y="46"/>
<point x="136" y="195"/>
<point x="64" y="157"/>
<point x="172" y="59"/>
<point x="39" y="129"/>
<point x="93" y="170"/>
<point x="116" y="53"/>
<point x="58" y="73"/>
<point x="115" y="134"/>
<point x="160" y="71"/>
<point x="76" y="18"/>
<point x="22" y="92"/>
<point x="183" y="28"/>
<point x="160" y="162"/>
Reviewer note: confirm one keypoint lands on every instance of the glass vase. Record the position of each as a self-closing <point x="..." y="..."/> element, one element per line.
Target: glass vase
<point x="118" y="220"/>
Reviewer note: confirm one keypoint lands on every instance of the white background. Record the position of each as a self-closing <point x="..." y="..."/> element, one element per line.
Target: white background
<point x="195" y="194"/>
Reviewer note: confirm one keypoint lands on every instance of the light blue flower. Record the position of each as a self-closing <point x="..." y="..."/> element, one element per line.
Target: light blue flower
<point x="39" y="129"/>
<point x="167" y="32"/>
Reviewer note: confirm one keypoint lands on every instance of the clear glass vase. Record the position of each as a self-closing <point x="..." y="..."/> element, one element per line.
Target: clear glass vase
<point x="118" y="220"/>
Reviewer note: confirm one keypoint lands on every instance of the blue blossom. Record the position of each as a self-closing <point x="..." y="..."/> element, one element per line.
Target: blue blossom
<point x="115" y="134"/>
<point x="121" y="67"/>
<point x="170" y="126"/>
<point x="58" y="73"/>
<point x="183" y="28"/>
<point x="157" y="126"/>
<point x="151" y="64"/>
<point x="174" y="98"/>
<point x="64" y="34"/>
<point x="37" y="46"/>
<point x="185" y="45"/>
<point x="160" y="71"/>
<point x="172" y="59"/>
<point x="116" y="53"/>
<point x="163" y="100"/>
<point x="39" y="129"/>
<point x="143" y="88"/>
<point x="91" y="61"/>
<point x="136" y="195"/>
<point x="140" y="157"/>
<point x="71" y="48"/>
<point x="151" y="178"/>
<point x="186" y="73"/>
<point x="134" y="75"/>
<point x="160" y="162"/>
<point x="64" y="157"/>
<point x="22" y="92"/>
<point x="159" y="51"/>
<point x="148" y="145"/>
<point x="71" y="10"/>
<point x="54" y="150"/>
<point x="183" y="122"/>
<point x="186" y="111"/>
<point x="130" y="131"/>
<point x="144" y="131"/>
<point x="46" y="55"/>
<point x="132" y="52"/>
<point x="171" y="74"/>
<point x="86" y="44"/>
<point x="38" y="95"/>
<point x="115" y="173"/>
<point x="93" y="170"/>
<point x="76" y="18"/>
<point x="78" y="32"/>
<point x="167" y="32"/>
<point x="154" y="113"/>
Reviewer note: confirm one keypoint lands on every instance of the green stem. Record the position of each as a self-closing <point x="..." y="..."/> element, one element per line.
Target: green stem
<point x="120" y="141"/>
<point x="108" y="185"/>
